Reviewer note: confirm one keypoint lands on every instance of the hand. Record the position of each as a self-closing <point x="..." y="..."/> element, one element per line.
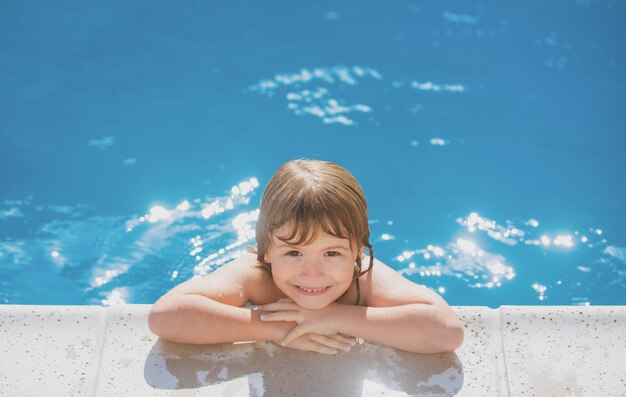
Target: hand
<point x="310" y="321"/>
<point x="322" y="343"/>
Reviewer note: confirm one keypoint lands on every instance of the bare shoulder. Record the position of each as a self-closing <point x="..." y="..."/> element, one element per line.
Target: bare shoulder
<point x="384" y="286"/>
<point x="235" y="283"/>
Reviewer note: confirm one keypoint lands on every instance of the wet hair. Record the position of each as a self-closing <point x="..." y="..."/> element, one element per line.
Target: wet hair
<point x="312" y="195"/>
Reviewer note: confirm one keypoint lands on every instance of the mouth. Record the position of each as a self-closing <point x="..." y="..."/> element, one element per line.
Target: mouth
<point x="312" y="291"/>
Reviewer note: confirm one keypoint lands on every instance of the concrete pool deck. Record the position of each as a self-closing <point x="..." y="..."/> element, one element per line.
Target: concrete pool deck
<point x="509" y="351"/>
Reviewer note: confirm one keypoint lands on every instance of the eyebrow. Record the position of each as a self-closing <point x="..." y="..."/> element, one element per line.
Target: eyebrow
<point x="325" y="248"/>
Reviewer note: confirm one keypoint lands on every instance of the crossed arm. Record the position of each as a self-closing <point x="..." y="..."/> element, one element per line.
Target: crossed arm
<point x="399" y="314"/>
<point x="415" y="327"/>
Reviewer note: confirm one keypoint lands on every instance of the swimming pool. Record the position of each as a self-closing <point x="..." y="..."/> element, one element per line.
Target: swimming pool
<point x="488" y="138"/>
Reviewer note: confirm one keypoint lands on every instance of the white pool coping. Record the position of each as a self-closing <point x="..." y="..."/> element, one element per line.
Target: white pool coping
<point x="509" y="351"/>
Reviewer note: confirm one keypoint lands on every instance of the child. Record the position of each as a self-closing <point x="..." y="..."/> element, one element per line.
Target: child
<point x="317" y="289"/>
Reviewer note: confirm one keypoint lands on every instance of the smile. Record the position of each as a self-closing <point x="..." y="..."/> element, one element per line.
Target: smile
<point x="312" y="291"/>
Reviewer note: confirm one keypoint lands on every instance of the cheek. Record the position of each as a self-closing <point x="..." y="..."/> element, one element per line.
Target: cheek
<point x="280" y="271"/>
<point x="345" y="272"/>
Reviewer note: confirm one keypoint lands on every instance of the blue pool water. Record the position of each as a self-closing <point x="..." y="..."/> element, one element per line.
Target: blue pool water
<point x="488" y="137"/>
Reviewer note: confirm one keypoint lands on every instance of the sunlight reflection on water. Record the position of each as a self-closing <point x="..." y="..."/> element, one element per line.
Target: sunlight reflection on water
<point x="109" y="260"/>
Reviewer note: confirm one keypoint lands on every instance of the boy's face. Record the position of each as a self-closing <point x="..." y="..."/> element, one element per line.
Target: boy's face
<point x="315" y="275"/>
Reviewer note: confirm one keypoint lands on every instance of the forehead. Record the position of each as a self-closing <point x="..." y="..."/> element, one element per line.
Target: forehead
<point x="320" y="237"/>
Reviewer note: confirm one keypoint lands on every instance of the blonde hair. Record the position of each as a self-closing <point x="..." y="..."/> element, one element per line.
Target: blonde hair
<point x="309" y="196"/>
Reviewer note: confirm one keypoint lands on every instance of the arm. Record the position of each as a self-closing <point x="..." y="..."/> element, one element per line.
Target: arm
<point x="400" y="314"/>
<point x="420" y="328"/>
<point x="190" y="318"/>
<point x="207" y="310"/>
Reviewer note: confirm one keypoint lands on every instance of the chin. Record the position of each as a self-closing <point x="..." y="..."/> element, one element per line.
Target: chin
<point x="314" y="306"/>
<point x="310" y="305"/>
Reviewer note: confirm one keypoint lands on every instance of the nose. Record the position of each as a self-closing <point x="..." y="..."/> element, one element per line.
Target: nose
<point x="312" y="268"/>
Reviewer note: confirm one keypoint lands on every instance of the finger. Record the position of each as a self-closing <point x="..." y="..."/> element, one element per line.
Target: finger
<point x="293" y="335"/>
<point x="355" y="339"/>
<point x="331" y="342"/>
<point x="280" y="316"/>
<point x="319" y="348"/>
<point x="279" y="306"/>
<point x="324" y="349"/>
<point x="344" y="339"/>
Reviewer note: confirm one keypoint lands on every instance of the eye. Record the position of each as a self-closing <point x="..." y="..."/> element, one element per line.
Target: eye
<point x="333" y="253"/>
<point x="292" y="253"/>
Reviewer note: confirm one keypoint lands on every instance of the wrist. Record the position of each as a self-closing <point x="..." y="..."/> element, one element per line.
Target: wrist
<point x="274" y="331"/>
<point x="344" y="318"/>
<point x="335" y="315"/>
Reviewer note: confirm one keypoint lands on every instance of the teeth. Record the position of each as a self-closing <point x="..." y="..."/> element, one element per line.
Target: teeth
<point x="312" y="290"/>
